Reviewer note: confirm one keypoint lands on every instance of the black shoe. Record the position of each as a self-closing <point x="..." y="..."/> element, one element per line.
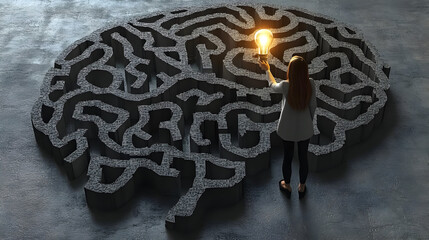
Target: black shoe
<point x="302" y="194"/>
<point x="284" y="190"/>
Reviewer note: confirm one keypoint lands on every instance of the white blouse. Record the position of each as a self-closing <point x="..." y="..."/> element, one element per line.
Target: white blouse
<point x="295" y="125"/>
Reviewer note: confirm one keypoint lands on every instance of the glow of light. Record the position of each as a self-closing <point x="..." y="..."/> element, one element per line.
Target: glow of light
<point x="263" y="39"/>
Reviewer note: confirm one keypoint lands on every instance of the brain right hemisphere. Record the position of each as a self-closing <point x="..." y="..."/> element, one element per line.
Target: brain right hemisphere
<point x="177" y="95"/>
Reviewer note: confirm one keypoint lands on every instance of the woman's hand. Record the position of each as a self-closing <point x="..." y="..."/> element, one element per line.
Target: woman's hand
<point x="264" y="65"/>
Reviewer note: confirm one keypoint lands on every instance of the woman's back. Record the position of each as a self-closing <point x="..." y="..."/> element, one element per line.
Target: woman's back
<point x="295" y="125"/>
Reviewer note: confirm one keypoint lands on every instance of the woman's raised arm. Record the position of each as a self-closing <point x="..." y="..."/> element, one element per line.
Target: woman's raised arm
<point x="277" y="87"/>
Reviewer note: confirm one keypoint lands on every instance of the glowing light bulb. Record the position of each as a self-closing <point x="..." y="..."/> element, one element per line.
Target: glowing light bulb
<point x="263" y="39"/>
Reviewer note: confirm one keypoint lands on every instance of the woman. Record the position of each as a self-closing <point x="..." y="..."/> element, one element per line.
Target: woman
<point x="296" y="118"/>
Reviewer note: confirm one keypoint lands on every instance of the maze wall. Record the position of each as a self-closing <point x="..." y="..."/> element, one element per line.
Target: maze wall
<point x="176" y="96"/>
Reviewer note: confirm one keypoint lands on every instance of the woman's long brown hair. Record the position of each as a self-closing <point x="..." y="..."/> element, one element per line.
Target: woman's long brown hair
<point x="299" y="92"/>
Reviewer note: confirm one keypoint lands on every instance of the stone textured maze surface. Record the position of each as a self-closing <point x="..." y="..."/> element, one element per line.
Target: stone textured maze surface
<point x="176" y="95"/>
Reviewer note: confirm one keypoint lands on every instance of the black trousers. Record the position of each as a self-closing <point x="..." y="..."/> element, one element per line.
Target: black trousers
<point x="303" y="162"/>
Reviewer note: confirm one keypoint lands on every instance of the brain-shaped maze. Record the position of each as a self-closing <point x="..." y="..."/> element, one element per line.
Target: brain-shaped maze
<point x="177" y="96"/>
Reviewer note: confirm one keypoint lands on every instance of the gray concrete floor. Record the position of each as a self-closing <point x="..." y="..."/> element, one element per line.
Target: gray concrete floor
<point x="381" y="192"/>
